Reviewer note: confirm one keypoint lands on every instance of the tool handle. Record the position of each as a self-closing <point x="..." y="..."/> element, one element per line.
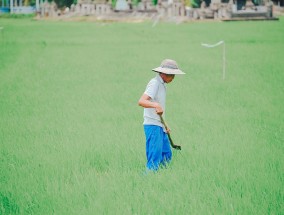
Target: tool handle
<point x="177" y="147"/>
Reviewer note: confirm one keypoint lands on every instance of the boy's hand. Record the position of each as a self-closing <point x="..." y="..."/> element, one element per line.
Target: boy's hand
<point x="168" y="130"/>
<point x="159" y="109"/>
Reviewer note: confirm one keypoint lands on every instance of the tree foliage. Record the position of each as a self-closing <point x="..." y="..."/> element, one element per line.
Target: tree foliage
<point x="64" y="3"/>
<point x="196" y="3"/>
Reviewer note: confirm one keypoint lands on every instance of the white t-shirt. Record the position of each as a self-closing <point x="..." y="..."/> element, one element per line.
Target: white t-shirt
<point x="156" y="90"/>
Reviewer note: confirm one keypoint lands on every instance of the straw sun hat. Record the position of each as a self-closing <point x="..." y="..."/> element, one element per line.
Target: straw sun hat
<point x="169" y="67"/>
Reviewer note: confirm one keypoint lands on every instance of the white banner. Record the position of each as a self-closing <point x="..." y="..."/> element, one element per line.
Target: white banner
<point x="213" y="45"/>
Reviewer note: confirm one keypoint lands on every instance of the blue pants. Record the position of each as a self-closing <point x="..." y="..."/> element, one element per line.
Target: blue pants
<point x="158" y="150"/>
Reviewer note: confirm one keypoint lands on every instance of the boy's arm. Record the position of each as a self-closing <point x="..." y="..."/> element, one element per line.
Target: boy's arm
<point x="145" y="102"/>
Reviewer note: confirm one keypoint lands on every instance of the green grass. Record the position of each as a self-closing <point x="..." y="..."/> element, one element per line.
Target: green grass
<point x="71" y="135"/>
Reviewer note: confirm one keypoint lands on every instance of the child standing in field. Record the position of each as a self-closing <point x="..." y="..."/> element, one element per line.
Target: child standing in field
<point x="158" y="150"/>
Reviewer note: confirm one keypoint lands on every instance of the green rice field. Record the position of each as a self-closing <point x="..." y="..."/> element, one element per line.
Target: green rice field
<point x="71" y="133"/>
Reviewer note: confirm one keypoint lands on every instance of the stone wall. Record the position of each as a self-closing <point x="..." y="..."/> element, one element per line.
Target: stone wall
<point x="164" y="10"/>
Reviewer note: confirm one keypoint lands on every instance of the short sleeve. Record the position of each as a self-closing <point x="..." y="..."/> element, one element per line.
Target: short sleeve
<point x="152" y="88"/>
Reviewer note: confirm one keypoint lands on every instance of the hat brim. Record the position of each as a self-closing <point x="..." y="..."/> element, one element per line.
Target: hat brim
<point x="168" y="71"/>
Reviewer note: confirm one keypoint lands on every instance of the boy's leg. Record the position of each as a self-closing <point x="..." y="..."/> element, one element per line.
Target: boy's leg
<point x="167" y="152"/>
<point x="154" y="146"/>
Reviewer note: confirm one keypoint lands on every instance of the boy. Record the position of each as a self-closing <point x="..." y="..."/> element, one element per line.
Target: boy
<point x="153" y="100"/>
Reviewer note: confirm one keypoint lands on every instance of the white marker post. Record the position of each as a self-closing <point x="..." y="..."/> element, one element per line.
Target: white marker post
<point x="224" y="56"/>
<point x="156" y="21"/>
